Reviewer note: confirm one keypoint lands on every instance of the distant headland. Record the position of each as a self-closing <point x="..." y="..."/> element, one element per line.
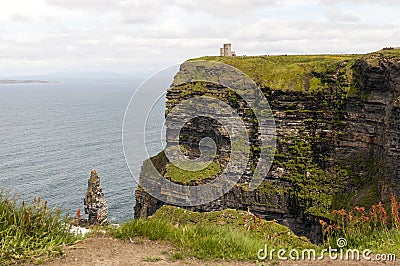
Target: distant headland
<point x="12" y="81"/>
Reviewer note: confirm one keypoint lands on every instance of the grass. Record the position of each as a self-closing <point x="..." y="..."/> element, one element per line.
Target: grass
<point x="31" y="231"/>
<point x="238" y="235"/>
<point x="389" y="53"/>
<point x="152" y="259"/>
<point x="304" y="73"/>
<point x="186" y="177"/>
<point x="178" y="175"/>
<point x="228" y="234"/>
<point x="377" y="229"/>
<point x="314" y="189"/>
<point x="178" y="256"/>
<point x="317" y="190"/>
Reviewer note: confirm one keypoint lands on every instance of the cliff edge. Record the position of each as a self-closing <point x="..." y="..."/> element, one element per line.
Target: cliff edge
<point x="337" y="123"/>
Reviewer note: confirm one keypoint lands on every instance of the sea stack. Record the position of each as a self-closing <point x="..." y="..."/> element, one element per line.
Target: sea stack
<point x="95" y="203"/>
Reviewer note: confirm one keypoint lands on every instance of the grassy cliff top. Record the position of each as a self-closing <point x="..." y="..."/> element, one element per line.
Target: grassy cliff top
<point x="227" y="234"/>
<point x="389" y="53"/>
<point x="305" y="73"/>
<point x="289" y="73"/>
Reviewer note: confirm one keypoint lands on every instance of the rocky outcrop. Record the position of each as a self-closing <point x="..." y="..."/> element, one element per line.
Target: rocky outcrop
<point x="95" y="203"/>
<point x="337" y="142"/>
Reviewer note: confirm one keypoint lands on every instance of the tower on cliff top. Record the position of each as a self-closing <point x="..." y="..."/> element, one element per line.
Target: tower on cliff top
<point x="226" y="50"/>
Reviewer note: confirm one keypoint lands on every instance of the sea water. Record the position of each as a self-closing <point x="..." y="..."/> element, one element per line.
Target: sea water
<point x="53" y="134"/>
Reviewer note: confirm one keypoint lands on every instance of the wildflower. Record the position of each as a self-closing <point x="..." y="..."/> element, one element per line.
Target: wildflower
<point x="374" y="214"/>
<point x="395" y="211"/>
<point x="323" y="223"/>
<point x="364" y="218"/>
<point x="382" y="213"/>
<point x="359" y="209"/>
<point x="328" y="228"/>
<point x="350" y="216"/>
<point x="78" y="214"/>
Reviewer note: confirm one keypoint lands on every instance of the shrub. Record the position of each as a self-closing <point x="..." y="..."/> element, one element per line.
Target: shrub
<point x="31" y="230"/>
<point x="374" y="229"/>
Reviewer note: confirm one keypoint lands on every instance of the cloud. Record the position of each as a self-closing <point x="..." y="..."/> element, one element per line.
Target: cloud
<point x="21" y="18"/>
<point x="299" y="36"/>
<point x="130" y="12"/>
<point x="135" y="10"/>
<point x="363" y="2"/>
<point x="226" y="8"/>
<point x="100" y="5"/>
<point x="335" y="14"/>
<point x="144" y="11"/>
<point x="123" y="35"/>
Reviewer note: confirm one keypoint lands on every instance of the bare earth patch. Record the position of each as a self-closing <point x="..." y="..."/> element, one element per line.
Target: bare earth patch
<point x="335" y="263"/>
<point x="104" y="250"/>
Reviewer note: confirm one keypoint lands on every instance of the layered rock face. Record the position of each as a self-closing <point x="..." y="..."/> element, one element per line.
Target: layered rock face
<point x="373" y="122"/>
<point x="337" y="140"/>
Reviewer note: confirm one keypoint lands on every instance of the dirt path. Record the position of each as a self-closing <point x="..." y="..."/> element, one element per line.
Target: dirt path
<point x="103" y="250"/>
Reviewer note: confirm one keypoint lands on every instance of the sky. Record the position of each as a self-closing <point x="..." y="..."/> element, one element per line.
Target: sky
<point x="136" y="37"/>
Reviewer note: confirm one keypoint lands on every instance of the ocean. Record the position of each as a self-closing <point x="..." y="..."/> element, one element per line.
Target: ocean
<point x="53" y="134"/>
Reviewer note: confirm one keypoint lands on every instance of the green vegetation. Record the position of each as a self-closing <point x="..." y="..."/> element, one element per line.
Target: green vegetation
<point x="315" y="186"/>
<point x="269" y="188"/>
<point x="34" y="233"/>
<point x="328" y="79"/>
<point x="325" y="81"/>
<point x="31" y="231"/>
<point x="238" y="235"/>
<point x="375" y="59"/>
<point x="178" y="175"/>
<point x="313" y="189"/>
<point x="193" y="88"/>
<point x="155" y="164"/>
<point x="227" y="234"/>
<point x="388" y="53"/>
<point x="182" y="176"/>
<point x="178" y="256"/>
<point x="306" y="73"/>
<point x="364" y="189"/>
<point x="317" y="190"/>
<point x="151" y="259"/>
<point x="376" y="229"/>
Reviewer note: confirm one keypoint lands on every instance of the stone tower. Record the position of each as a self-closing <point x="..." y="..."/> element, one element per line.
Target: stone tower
<point x="226" y="50"/>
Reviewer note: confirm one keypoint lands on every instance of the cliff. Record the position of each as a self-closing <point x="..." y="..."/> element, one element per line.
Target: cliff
<point x="337" y="137"/>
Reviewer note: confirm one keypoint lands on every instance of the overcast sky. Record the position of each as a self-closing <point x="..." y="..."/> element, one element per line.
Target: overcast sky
<point x="132" y="36"/>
